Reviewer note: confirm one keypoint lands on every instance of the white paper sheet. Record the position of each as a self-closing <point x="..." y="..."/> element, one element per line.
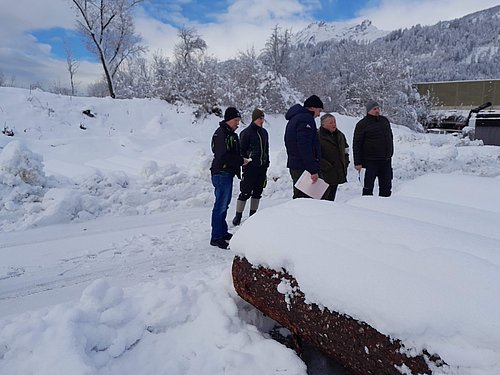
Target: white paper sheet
<point x="305" y="184"/>
<point x="361" y="177"/>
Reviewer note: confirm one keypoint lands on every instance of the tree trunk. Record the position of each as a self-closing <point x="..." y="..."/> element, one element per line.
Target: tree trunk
<point x="354" y="344"/>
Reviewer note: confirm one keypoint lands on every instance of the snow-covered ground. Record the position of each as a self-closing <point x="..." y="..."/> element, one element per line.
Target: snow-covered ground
<point x="106" y="266"/>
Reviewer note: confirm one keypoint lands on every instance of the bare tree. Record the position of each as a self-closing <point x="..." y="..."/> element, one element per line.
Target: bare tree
<point x="276" y="53"/>
<point x="71" y="64"/>
<point x="109" y="30"/>
<point x="190" y="46"/>
<point x="192" y="74"/>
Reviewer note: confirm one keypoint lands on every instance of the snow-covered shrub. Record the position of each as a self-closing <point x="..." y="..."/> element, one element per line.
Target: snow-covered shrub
<point x="22" y="183"/>
<point x="149" y="169"/>
<point x="59" y="205"/>
<point x="19" y="161"/>
<point x="103" y="185"/>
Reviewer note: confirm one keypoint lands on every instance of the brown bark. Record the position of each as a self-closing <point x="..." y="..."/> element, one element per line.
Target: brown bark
<point x="352" y="343"/>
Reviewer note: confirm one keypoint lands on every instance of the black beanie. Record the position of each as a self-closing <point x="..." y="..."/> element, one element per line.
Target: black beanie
<point x="231" y="113"/>
<point x="257" y="113"/>
<point x="313" y="101"/>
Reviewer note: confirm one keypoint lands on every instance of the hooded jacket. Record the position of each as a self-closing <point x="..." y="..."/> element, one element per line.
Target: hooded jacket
<point x="301" y="140"/>
<point x="226" y="150"/>
<point x="373" y="140"/>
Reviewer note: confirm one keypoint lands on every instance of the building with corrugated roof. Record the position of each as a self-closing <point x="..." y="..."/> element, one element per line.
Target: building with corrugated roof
<point x="460" y="104"/>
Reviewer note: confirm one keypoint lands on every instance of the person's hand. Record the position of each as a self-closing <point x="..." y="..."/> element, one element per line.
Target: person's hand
<point x="246" y="161"/>
<point x="358" y="167"/>
<point x="314" y="177"/>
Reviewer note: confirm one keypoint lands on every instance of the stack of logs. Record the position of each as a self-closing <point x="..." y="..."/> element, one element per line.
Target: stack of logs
<point x="352" y="343"/>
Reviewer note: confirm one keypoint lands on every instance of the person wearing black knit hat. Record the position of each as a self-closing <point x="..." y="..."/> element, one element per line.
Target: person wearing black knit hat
<point x="231" y="113"/>
<point x="254" y="145"/>
<point x="373" y="148"/>
<point x="226" y="164"/>
<point x="313" y="102"/>
<point x="302" y="142"/>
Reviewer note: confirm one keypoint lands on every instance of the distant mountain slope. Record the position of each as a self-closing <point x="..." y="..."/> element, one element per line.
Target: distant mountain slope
<point x="466" y="48"/>
<point x="317" y="32"/>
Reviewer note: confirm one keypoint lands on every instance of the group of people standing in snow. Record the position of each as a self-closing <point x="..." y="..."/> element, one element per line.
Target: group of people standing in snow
<point x="250" y="150"/>
<point x="324" y="153"/>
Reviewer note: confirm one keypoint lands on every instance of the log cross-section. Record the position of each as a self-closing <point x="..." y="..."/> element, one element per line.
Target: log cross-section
<point x="352" y="343"/>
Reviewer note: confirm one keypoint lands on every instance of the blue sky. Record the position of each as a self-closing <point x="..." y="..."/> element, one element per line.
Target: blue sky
<point x="205" y="11"/>
<point x="58" y="37"/>
<point x="198" y="12"/>
<point x="33" y="32"/>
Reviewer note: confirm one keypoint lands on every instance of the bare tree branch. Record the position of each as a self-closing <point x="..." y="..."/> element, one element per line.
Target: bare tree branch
<point x="71" y="64"/>
<point x="190" y="46"/>
<point x="108" y="28"/>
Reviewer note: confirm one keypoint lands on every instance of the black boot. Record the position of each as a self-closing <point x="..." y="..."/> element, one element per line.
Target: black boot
<point x="220" y="243"/>
<point x="237" y="218"/>
<point x="252" y="212"/>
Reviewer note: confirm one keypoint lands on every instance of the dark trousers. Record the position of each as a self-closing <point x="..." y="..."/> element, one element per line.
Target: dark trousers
<point x="330" y="193"/>
<point x="223" y="184"/>
<point x="253" y="182"/>
<point x="381" y="169"/>
<point x="295" y="174"/>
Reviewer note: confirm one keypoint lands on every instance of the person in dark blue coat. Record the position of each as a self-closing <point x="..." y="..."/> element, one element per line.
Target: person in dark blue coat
<point x="301" y="141"/>
<point x="226" y="164"/>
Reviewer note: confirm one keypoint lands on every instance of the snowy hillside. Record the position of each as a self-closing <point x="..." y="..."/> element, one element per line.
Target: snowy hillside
<point x="317" y="32"/>
<point x="462" y="49"/>
<point x="104" y="238"/>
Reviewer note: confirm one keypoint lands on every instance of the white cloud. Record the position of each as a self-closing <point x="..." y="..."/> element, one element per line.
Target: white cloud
<point x="26" y="60"/>
<point x="25" y="15"/>
<point x="394" y="14"/>
<point x="157" y="36"/>
<point x="255" y="11"/>
<point x="245" y="24"/>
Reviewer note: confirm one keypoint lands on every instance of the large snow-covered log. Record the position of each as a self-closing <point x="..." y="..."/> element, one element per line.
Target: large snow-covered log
<point x="352" y="343"/>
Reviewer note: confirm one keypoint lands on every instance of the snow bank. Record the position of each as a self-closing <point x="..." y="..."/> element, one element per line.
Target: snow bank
<point x="137" y="157"/>
<point x="421" y="267"/>
<point x="191" y="326"/>
<point x="144" y="156"/>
